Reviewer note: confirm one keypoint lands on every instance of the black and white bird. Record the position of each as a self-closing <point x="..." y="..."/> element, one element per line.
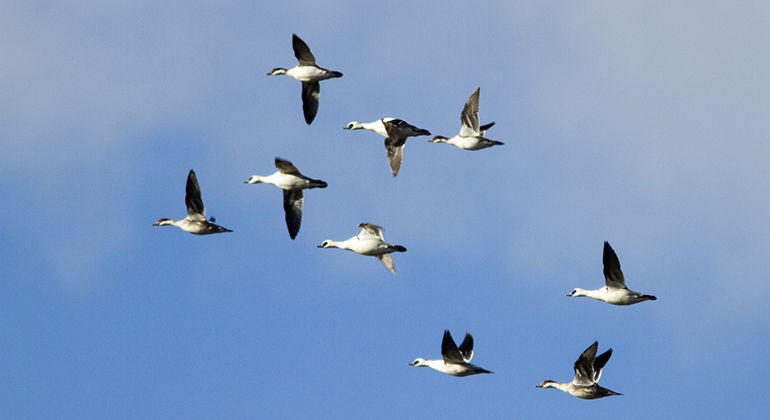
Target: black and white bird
<point x="195" y="222"/>
<point x="307" y="72"/>
<point x="456" y="361"/>
<point x="292" y="182"/>
<point x="614" y="290"/>
<point x="368" y="242"/>
<point x="395" y="132"/>
<point x="588" y="370"/>
<point x="471" y="136"/>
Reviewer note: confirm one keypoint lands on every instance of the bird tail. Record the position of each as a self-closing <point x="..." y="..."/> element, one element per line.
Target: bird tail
<point x="398" y="248"/>
<point x="648" y="297"/>
<point x="317" y="183"/>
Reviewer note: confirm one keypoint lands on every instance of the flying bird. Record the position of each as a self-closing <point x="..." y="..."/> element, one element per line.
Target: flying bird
<point x="307" y="72"/>
<point x="614" y="290"/>
<point x="368" y="242"/>
<point x="292" y="182"/>
<point x="456" y="361"/>
<point x="195" y="222"/>
<point x="471" y="136"/>
<point x="588" y="370"/>
<point x="395" y="132"/>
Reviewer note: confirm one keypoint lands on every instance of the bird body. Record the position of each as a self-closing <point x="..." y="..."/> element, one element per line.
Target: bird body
<point x="368" y="242"/>
<point x="195" y="222"/>
<point x="588" y="370"/>
<point x="292" y="182"/>
<point x="286" y="181"/>
<point x="471" y="135"/>
<point x="307" y="72"/>
<point x="395" y="131"/>
<point x="456" y="361"/>
<point x="614" y="291"/>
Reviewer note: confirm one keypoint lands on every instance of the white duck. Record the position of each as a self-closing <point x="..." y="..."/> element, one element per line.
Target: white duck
<point x="292" y="182"/>
<point x="471" y="136"/>
<point x="195" y="222"/>
<point x="307" y="72"/>
<point x="614" y="290"/>
<point x="395" y="132"/>
<point x="368" y="242"/>
<point x="456" y="361"/>
<point x="588" y="370"/>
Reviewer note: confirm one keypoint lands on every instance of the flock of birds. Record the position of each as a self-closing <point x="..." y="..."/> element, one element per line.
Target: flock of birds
<point x="455" y="361"/>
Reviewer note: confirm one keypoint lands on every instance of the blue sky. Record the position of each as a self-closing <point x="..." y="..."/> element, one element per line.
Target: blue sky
<point x="641" y="123"/>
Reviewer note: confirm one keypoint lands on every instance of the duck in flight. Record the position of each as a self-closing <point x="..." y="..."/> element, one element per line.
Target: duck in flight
<point x="292" y="182"/>
<point x="456" y="361"/>
<point x="307" y="72"/>
<point x="471" y="136"/>
<point x="368" y="242"/>
<point x="614" y="290"/>
<point x="588" y="370"/>
<point x="195" y="222"/>
<point x="395" y="132"/>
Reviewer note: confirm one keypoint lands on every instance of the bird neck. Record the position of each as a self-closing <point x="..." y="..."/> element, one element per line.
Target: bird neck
<point x="588" y="293"/>
<point x="255" y="179"/>
<point x="277" y="71"/>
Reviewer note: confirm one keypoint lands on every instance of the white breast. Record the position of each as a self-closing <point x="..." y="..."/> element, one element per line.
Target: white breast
<point x="307" y="73"/>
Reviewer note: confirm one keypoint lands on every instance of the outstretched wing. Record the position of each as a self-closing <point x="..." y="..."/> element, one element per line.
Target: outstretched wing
<point x="584" y="366"/>
<point x="302" y="51"/>
<point x="449" y="350"/>
<point x="292" y="206"/>
<point x="368" y="229"/>
<point x="599" y="363"/>
<point x="286" y="167"/>
<point x="469" y="117"/>
<point x="311" y="93"/>
<point x="613" y="276"/>
<point x="387" y="261"/>
<point x="466" y="347"/>
<point x="192" y="199"/>
<point x="395" y="153"/>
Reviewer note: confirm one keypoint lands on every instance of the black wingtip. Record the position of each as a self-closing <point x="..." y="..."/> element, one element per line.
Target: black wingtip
<point x="292" y="232"/>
